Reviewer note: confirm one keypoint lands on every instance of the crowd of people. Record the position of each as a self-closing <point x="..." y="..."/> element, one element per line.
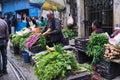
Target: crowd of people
<point x="38" y="22"/>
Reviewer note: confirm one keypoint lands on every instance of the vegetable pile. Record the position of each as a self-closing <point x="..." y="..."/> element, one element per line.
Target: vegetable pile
<point x="41" y="42"/>
<point x="96" y="46"/>
<point x="68" y="34"/>
<point x="31" y="40"/>
<point x="111" y="52"/>
<point x="19" y="40"/>
<point x="52" y="65"/>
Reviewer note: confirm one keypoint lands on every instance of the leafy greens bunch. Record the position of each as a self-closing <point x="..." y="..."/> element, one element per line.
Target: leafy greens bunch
<point x="96" y="46"/>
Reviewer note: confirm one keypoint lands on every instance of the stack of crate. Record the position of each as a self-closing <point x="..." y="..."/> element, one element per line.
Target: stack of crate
<point x="108" y="69"/>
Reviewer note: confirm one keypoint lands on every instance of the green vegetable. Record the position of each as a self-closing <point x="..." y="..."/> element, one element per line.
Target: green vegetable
<point x="19" y="40"/>
<point x="59" y="48"/>
<point x="41" y="42"/>
<point x="52" y="65"/>
<point x="16" y="40"/>
<point x="67" y="33"/>
<point x="96" y="47"/>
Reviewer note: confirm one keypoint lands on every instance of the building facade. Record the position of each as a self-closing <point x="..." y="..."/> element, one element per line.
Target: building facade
<point x="84" y="12"/>
<point x="19" y="6"/>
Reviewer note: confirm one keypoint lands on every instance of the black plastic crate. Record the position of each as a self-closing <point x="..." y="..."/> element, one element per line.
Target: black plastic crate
<point x="80" y="76"/>
<point x="108" y="69"/>
<point x="16" y="49"/>
<point x="81" y="56"/>
<point x="36" y="49"/>
<point x="81" y="43"/>
<point x="66" y="41"/>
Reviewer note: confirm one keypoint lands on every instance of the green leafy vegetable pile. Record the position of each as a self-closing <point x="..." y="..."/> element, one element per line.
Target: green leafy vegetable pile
<point x="52" y="65"/>
<point x="68" y="34"/>
<point x="41" y="42"/>
<point x="96" y="46"/>
<point x="19" y="40"/>
<point x="23" y="39"/>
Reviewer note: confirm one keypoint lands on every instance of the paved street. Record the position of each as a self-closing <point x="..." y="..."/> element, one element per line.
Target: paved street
<point x="10" y="75"/>
<point x="26" y="68"/>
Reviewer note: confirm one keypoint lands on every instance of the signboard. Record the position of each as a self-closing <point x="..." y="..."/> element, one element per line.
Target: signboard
<point x="116" y="13"/>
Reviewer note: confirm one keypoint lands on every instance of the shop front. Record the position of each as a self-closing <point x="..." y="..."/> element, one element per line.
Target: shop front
<point x="18" y="8"/>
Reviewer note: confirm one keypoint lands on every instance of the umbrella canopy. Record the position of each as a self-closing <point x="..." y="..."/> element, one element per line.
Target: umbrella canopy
<point x="48" y="4"/>
<point x="57" y="3"/>
<point x="36" y="3"/>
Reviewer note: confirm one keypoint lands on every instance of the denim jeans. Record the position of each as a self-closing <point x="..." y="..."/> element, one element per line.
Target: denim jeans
<point x="3" y="50"/>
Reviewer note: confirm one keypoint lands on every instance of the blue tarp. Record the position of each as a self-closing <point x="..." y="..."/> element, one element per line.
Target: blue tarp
<point x="20" y="26"/>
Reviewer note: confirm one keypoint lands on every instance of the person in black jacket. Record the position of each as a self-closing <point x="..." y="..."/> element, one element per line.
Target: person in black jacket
<point x="52" y="31"/>
<point x="7" y="19"/>
<point x="30" y="22"/>
<point x="96" y="27"/>
<point x="13" y="23"/>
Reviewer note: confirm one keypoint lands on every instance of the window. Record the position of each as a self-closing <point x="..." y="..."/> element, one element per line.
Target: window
<point x="101" y="10"/>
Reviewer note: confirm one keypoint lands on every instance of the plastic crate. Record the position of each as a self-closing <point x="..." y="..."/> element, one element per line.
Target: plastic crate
<point x="81" y="56"/>
<point x="36" y="49"/>
<point x="80" y="76"/>
<point x="108" y="69"/>
<point x="66" y="41"/>
<point x="81" y="43"/>
<point x="16" y="50"/>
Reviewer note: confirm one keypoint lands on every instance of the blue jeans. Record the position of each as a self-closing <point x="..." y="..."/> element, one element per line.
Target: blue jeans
<point x="3" y="50"/>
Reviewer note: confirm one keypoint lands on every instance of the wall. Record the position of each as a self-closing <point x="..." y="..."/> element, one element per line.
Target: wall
<point x="116" y="13"/>
<point x="13" y="5"/>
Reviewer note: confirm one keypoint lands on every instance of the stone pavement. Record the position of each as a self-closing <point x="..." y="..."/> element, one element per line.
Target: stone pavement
<point x="10" y="75"/>
<point x="26" y="68"/>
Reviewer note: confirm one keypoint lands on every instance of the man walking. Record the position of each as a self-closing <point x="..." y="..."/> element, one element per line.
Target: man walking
<point x="3" y="46"/>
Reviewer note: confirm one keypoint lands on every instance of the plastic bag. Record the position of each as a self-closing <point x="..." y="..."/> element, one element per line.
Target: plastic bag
<point x="70" y="20"/>
<point x="57" y="3"/>
<point x="48" y="6"/>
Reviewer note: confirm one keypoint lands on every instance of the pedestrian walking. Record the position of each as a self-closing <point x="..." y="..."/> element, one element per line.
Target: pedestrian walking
<point x="13" y="24"/>
<point x="4" y="33"/>
<point x="7" y="19"/>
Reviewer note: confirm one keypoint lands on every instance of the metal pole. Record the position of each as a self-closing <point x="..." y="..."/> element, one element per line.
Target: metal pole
<point x="79" y="18"/>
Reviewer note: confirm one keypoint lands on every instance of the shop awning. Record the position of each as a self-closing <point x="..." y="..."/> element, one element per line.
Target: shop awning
<point x="48" y="4"/>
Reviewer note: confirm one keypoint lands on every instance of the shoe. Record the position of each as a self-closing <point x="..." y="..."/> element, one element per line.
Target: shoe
<point x="1" y="74"/>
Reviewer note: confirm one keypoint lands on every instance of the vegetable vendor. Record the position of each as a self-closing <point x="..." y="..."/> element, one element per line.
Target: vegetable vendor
<point x="96" y="27"/>
<point x="52" y="31"/>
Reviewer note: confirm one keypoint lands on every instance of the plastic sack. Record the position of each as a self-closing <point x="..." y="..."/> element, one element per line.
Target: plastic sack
<point x="70" y="20"/>
<point x="48" y="6"/>
<point x="117" y="39"/>
<point x="36" y="3"/>
<point x="57" y="3"/>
